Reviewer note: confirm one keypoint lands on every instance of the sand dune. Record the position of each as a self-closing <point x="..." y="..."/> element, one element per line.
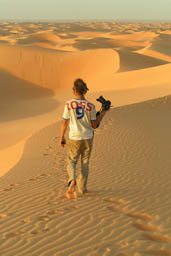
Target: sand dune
<point x="20" y="100"/>
<point x="162" y="45"/>
<point x="135" y="61"/>
<point x="61" y="68"/>
<point x="155" y="54"/>
<point x="103" y="42"/>
<point x="154" y="77"/>
<point x="127" y="209"/>
<point x="139" y="36"/>
<point x="18" y="96"/>
<point x="147" y="79"/>
<point x="129" y="206"/>
<point x="40" y="37"/>
<point x="159" y="48"/>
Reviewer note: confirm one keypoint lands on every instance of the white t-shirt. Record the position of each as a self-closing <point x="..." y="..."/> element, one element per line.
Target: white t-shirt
<point x="80" y="114"/>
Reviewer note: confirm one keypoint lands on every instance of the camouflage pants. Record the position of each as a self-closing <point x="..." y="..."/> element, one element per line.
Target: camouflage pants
<point x="76" y="149"/>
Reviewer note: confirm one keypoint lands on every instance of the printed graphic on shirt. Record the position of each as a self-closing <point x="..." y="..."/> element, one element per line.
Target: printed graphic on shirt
<point x="75" y="104"/>
<point x="80" y="108"/>
<point x="80" y="114"/>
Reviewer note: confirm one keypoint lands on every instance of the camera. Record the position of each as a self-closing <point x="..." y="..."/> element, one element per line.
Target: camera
<point x="105" y="103"/>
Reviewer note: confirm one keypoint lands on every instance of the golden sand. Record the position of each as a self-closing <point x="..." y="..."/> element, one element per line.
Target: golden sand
<point x="127" y="209"/>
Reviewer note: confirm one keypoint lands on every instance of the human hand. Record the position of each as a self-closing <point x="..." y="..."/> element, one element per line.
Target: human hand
<point x="62" y="142"/>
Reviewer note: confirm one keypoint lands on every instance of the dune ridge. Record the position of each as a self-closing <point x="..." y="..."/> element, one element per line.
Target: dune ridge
<point x="114" y="64"/>
<point x="130" y="205"/>
<point x="127" y="209"/>
<point x="61" y="68"/>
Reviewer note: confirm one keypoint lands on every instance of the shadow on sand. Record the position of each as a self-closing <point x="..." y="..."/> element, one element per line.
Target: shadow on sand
<point x="21" y="99"/>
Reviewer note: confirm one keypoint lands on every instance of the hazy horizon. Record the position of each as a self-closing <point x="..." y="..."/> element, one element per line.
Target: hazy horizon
<point x="74" y="10"/>
<point x="85" y="20"/>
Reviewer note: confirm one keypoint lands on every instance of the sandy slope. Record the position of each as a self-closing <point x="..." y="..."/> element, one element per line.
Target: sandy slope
<point x="21" y="100"/>
<point x="57" y="70"/>
<point x="16" y="95"/>
<point x="127" y="212"/>
<point x="160" y="48"/>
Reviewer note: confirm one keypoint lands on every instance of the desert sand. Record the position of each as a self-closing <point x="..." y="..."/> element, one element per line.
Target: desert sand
<point x="127" y="211"/>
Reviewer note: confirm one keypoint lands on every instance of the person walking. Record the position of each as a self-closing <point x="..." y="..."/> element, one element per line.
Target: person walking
<point x="80" y="115"/>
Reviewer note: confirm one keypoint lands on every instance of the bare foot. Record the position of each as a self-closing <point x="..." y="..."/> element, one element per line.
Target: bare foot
<point x="71" y="188"/>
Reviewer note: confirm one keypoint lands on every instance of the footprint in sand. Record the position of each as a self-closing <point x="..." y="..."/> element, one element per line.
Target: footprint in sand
<point x="14" y="185"/>
<point x="158" y="238"/>
<point x="44" y="218"/>
<point x="45" y="175"/>
<point x="147" y="227"/>
<point x="124" y="254"/>
<point x="161" y="252"/>
<point x="26" y="220"/>
<point x="113" y="208"/>
<point x="9" y="189"/>
<point x="150" y="227"/>
<point x="110" y="200"/>
<point x="90" y="195"/>
<point x="46" y="229"/>
<point x="123" y="244"/>
<point x="141" y="216"/>
<point x="64" y="181"/>
<point x="34" y="179"/>
<point x="35" y="232"/>
<point x="45" y="154"/>
<point x="55" y="168"/>
<point x="2" y="215"/>
<point x="71" y="208"/>
<point x="14" y="234"/>
<point x="54" y="212"/>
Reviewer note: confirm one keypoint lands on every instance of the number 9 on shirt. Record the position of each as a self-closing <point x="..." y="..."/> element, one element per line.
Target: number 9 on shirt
<point x="80" y="112"/>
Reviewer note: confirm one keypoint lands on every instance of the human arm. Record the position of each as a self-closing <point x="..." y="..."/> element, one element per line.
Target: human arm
<point x="96" y="123"/>
<point x="64" y="126"/>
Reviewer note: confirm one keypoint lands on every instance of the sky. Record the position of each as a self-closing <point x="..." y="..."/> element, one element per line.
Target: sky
<point x="85" y="10"/>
